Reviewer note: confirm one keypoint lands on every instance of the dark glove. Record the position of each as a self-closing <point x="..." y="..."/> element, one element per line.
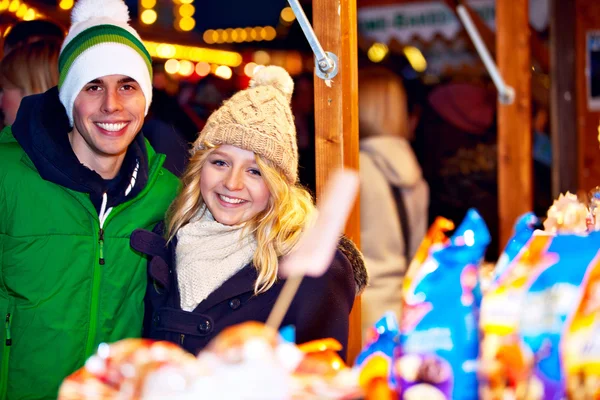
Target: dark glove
<point x="155" y="246"/>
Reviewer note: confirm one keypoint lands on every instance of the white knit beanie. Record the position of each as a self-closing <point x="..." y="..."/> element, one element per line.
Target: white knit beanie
<point x="100" y="43"/>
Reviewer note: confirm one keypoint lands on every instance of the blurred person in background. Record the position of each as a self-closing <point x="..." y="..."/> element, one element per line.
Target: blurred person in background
<point x="394" y="196"/>
<point x="30" y="68"/>
<point x="24" y="32"/>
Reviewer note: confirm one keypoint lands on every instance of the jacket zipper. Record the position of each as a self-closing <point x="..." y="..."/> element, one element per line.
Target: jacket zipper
<point x="102" y="219"/>
<point x="101" y="245"/>
<point x="91" y="340"/>
<point x="5" y="358"/>
<point x="181" y="339"/>
<point x="7" y="326"/>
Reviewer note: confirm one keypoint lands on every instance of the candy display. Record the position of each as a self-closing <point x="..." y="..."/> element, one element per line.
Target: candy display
<point x="532" y="333"/>
<point x="437" y="354"/>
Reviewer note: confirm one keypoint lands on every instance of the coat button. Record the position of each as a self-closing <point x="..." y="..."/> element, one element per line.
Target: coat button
<point x="205" y="326"/>
<point x="235" y="303"/>
<point x="156" y="319"/>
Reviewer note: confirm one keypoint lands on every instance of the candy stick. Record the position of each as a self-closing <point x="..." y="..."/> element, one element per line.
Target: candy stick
<point x="315" y="250"/>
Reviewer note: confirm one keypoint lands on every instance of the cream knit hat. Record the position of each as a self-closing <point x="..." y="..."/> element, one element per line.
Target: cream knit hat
<point x="101" y="42"/>
<point x="258" y="119"/>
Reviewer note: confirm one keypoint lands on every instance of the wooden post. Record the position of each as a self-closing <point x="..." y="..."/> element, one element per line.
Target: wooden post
<point x="562" y="97"/>
<point x="336" y="117"/>
<point x="514" y="120"/>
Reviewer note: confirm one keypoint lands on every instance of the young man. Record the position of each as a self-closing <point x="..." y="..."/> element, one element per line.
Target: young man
<point x="76" y="178"/>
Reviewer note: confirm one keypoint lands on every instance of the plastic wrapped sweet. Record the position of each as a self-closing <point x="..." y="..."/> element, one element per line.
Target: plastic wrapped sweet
<point x="594" y="208"/>
<point x="551" y="300"/>
<point x="567" y="215"/>
<point x="581" y="342"/>
<point x="439" y="344"/>
<point x="523" y="317"/>
<point x="254" y="357"/>
<point x="375" y="360"/>
<point x="505" y="362"/>
<point x="523" y="230"/>
<point x="322" y="374"/>
<point x="119" y="370"/>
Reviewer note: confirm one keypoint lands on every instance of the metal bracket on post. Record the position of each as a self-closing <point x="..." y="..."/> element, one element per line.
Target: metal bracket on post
<point x="506" y="94"/>
<point x="326" y="63"/>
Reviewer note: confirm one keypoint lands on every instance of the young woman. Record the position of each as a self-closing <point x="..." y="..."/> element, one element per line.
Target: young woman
<point x="240" y="209"/>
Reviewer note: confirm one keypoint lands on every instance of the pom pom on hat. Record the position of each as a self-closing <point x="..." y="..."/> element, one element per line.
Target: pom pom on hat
<point x="273" y="76"/>
<point x="86" y="9"/>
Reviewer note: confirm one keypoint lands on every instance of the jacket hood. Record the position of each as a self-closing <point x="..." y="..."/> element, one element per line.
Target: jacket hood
<point x="395" y="159"/>
<point x="42" y="127"/>
<point x="355" y="257"/>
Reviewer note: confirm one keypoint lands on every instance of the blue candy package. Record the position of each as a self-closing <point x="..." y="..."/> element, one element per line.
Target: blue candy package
<point x="375" y="359"/>
<point x="550" y="301"/>
<point x="523" y="230"/>
<point x="437" y="355"/>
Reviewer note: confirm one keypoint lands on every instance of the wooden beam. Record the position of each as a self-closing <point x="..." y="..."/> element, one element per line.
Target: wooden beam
<point x="562" y="97"/>
<point x="336" y="117"/>
<point x="514" y="120"/>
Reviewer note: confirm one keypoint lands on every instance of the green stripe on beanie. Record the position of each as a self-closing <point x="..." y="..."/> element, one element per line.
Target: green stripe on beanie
<point x="96" y="35"/>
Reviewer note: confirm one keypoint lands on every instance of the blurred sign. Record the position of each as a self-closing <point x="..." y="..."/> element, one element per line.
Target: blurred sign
<point x="422" y="21"/>
<point x="425" y="20"/>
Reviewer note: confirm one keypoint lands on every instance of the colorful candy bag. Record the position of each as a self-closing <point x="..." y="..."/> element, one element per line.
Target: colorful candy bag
<point x="375" y="360"/>
<point x="504" y="360"/>
<point x="523" y="317"/>
<point x="552" y="298"/>
<point x="581" y="341"/>
<point x="437" y="356"/>
<point x="523" y="230"/>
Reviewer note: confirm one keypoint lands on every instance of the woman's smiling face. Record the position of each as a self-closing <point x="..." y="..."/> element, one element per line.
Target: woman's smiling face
<point x="232" y="186"/>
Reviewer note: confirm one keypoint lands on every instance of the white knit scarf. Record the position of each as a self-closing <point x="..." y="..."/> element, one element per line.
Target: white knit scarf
<point x="208" y="253"/>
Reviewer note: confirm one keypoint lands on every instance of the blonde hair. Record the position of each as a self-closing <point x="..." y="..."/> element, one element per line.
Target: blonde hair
<point x="382" y="104"/>
<point x="277" y="229"/>
<point x="31" y="67"/>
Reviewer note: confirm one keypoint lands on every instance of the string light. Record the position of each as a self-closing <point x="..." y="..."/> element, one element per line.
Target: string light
<point x="20" y="9"/>
<point x="415" y="58"/>
<point x="202" y="68"/>
<point x="66" y="4"/>
<point x="30" y="15"/>
<point x="223" y="72"/>
<point x="195" y="54"/>
<point x="186" y="68"/>
<point x="148" y="3"/>
<point x="184" y="15"/>
<point x="149" y="17"/>
<point x="287" y="15"/>
<point x="239" y="35"/>
<point x="249" y="69"/>
<point x="172" y="66"/>
<point x="377" y="52"/>
<point x="14" y="6"/>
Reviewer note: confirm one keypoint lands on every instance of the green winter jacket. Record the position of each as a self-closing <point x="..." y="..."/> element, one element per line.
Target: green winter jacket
<point x="58" y="299"/>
